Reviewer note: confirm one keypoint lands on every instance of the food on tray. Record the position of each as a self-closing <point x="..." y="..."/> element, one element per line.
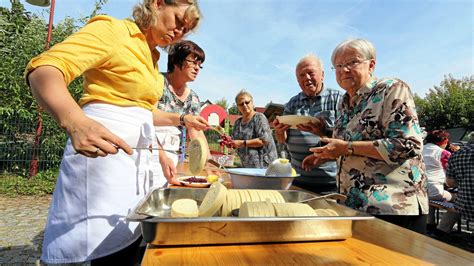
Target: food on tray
<point x="184" y="208"/>
<point x="236" y="197"/>
<point x="326" y="212"/>
<point x="280" y="167"/>
<point x="197" y="155"/>
<point x="257" y="209"/>
<point x="213" y="200"/>
<point x="293" y="209"/>
<point x="212" y="178"/>
<point x="195" y="179"/>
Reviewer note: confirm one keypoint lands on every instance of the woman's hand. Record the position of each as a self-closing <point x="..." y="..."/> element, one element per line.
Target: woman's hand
<point x="311" y="161"/>
<point x="92" y="139"/>
<point x="237" y="143"/>
<point x="168" y="167"/>
<point x="197" y="122"/>
<point x="332" y="150"/>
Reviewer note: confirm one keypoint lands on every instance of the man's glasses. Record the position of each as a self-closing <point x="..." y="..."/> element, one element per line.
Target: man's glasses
<point x="245" y="103"/>
<point x="193" y="63"/>
<point x="348" y="65"/>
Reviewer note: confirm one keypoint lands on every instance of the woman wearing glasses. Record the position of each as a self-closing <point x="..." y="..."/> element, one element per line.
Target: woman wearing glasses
<point x="185" y="60"/>
<point x="252" y="136"/>
<point x="377" y="141"/>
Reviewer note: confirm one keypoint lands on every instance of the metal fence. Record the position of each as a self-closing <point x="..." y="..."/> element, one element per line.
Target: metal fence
<point x="17" y="147"/>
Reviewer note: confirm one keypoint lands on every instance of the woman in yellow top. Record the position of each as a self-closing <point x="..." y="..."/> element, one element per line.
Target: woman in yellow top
<point x="101" y="178"/>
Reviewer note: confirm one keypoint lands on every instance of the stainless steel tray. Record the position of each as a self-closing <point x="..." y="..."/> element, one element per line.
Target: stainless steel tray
<point x="159" y="228"/>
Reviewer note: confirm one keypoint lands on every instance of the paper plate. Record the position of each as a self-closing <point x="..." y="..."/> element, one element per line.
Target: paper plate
<point x="182" y="181"/>
<point x="294" y="120"/>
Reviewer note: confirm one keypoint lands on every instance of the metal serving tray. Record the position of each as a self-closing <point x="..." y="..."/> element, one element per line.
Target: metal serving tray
<point x="159" y="228"/>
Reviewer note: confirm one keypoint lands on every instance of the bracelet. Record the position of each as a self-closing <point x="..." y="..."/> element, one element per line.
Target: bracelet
<point x="350" y="149"/>
<point x="181" y="120"/>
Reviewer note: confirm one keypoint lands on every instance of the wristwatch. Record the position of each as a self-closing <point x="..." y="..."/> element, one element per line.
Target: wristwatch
<point x="350" y="149"/>
<point x="245" y="143"/>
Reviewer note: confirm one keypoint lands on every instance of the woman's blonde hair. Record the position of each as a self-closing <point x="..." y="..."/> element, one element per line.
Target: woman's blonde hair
<point x="145" y="16"/>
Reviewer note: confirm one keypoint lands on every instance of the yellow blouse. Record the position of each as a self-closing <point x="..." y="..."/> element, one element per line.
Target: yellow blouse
<point x="116" y="61"/>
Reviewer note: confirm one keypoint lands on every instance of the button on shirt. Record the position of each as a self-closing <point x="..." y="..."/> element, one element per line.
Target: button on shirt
<point x="383" y="111"/>
<point x="324" y="105"/>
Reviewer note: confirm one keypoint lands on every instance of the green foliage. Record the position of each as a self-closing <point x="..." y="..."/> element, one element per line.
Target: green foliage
<point x="451" y="104"/>
<point x="222" y="103"/>
<point x="233" y="110"/>
<point x="42" y="184"/>
<point x="23" y="36"/>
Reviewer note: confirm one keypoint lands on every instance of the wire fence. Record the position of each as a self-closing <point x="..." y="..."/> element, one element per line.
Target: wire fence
<point x="17" y="147"/>
<point x="17" y="138"/>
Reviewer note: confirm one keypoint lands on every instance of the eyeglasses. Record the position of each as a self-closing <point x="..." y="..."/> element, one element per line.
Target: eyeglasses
<point x="348" y="65"/>
<point x="193" y="63"/>
<point x="245" y="103"/>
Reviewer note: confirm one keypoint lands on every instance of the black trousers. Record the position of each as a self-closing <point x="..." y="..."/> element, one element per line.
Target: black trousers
<point x="131" y="255"/>
<point x="415" y="223"/>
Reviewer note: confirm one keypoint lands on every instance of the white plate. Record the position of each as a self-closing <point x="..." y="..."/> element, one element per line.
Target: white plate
<point x="294" y="120"/>
<point x="182" y="181"/>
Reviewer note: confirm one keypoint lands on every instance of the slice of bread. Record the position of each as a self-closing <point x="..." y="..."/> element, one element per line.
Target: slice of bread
<point x="184" y="208"/>
<point x="197" y="156"/>
<point x="213" y="200"/>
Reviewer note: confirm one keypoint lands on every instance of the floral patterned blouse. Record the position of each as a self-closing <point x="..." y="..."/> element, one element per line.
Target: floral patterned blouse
<point x="257" y="127"/>
<point x="170" y="103"/>
<point x="383" y="111"/>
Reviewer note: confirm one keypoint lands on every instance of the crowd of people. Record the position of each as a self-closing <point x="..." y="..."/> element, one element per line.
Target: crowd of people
<point x="366" y="143"/>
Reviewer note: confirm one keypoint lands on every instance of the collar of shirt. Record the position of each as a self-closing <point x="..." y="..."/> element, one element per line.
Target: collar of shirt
<point x="360" y="94"/>
<point x="303" y="96"/>
<point x="134" y="30"/>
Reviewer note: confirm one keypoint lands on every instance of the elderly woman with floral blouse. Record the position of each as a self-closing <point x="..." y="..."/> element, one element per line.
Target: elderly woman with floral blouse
<point x="377" y="141"/>
<point x="252" y="136"/>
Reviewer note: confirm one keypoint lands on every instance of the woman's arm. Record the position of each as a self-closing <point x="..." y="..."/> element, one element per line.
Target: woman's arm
<point x="162" y="118"/>
<point x="336" y="148"/>
<point x="87" y="136"/>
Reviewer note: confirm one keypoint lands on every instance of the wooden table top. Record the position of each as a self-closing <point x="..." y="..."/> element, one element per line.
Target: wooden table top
<point x="373" y="242"/>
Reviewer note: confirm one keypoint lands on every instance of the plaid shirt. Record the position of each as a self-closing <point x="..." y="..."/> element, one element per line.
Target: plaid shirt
<point x="324" y="105"/>
<point x="461" y="169"/>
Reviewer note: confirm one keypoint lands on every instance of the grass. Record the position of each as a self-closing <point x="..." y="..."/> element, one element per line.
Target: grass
<point x="41" y="184"/>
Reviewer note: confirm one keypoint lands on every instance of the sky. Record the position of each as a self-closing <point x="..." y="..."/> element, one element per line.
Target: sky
<point x="256" y="44"/>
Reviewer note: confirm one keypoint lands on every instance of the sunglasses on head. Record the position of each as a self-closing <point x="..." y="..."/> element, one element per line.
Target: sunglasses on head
<point x="244" y="103"/>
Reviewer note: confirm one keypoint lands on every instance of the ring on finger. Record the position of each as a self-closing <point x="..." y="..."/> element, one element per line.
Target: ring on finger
<point x="97" y="151"/>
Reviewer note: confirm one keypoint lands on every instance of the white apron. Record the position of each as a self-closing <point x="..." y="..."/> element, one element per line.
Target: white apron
<point x="169" y="138"/>
<point x="92" y="196"/>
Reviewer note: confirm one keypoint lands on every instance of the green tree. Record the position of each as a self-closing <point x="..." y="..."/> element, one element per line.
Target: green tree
<point x="23" y="36"/>
<point x="233" y="110"/>
<point x="222" y="103"/>
<point x="449" y="105"/>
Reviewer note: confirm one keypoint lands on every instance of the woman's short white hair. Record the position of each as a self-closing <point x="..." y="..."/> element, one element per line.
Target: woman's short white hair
<point x="311" y="57"/>
<point x="362" y="46"/>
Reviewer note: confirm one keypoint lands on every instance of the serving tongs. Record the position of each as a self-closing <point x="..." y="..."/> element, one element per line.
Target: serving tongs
<point x="218" y="129"/>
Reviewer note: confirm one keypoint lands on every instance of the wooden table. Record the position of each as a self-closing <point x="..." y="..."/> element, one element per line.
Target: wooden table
<point x="373" y="242"/>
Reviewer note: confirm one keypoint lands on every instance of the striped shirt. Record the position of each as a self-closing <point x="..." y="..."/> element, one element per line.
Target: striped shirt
<point x="324" y="105"/>
<point x="461" y="169"/>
